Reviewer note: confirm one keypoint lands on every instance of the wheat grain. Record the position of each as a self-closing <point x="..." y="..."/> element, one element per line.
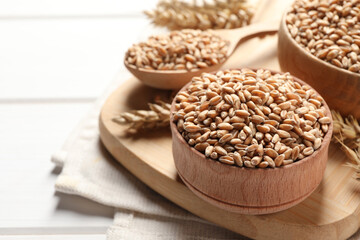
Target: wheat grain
<point x="178" y="50"/>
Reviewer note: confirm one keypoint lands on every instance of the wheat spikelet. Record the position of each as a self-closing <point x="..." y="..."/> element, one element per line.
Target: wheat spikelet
<point x="347" y="134"/>
<point x="157" y="116"/>
<point x="213" y="14"/>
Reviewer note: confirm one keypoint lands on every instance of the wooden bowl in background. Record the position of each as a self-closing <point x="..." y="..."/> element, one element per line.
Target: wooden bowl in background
<point x="245" y="190"/>
<point x="339" y="87"/>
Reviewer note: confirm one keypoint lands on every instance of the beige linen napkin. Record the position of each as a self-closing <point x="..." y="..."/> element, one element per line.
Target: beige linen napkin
<point x="89" y="171"/>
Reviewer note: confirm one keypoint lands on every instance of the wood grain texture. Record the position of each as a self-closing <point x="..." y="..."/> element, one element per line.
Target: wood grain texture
<point x="331" y="212"/>
<point x="245" y="190"/>
<point x="339" y="87"/>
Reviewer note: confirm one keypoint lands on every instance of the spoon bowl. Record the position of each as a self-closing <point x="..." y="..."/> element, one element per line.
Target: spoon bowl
<point x="176" y="79"/>
<point x="167" y="79"/>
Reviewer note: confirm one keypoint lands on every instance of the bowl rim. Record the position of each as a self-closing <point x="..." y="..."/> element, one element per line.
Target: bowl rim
<point x="314" y="58"/>
<point x="326" y="138"/>
<point x="157" y="71"/>
<point x="165" y="73"/>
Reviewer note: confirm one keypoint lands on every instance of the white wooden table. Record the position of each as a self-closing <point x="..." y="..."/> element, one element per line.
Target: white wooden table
<point x="56" y="58"/>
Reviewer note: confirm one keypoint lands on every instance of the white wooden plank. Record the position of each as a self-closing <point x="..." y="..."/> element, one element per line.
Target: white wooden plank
<point x="55" y="237"/>
<point x="63" y="58"/>
<point x="36" y="8"/>
<point x="29" y="134"/>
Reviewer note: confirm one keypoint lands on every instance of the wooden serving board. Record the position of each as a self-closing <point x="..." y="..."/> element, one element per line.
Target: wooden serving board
<point x="331" y="212"/>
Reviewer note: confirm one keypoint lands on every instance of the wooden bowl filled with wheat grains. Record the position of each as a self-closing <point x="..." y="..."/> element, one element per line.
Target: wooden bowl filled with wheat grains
<point x="250" y="141"/>
<point x="319" y="42"/>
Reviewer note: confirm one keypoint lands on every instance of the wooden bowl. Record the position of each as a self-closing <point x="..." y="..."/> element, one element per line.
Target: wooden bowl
<point x="249" y="190"/>
<point x="339" y="87"/>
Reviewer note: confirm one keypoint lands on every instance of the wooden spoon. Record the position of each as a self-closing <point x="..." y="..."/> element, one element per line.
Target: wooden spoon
<point x="176" y="79"/>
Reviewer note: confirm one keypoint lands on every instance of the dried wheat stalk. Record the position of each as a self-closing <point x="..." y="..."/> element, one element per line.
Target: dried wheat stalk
<point x="347" y="134"/>
<point x="205" y="14"/>
<point x="157" y="116"/>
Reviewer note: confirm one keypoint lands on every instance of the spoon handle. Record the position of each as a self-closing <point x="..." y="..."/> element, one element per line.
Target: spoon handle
<point x="235" y="36"/>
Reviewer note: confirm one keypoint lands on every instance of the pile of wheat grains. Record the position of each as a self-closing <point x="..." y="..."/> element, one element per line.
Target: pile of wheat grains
<point x="178" y="50"/>
<point x="251" y="119"/>
<point x="328" y="29"/>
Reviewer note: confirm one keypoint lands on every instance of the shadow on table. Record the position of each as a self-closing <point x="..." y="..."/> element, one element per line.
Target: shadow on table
<point x="82" y="206"/>
<point x="56" y="170"/>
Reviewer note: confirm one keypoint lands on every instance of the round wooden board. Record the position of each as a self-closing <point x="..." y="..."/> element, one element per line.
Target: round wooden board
<point x="331" y="212"/>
